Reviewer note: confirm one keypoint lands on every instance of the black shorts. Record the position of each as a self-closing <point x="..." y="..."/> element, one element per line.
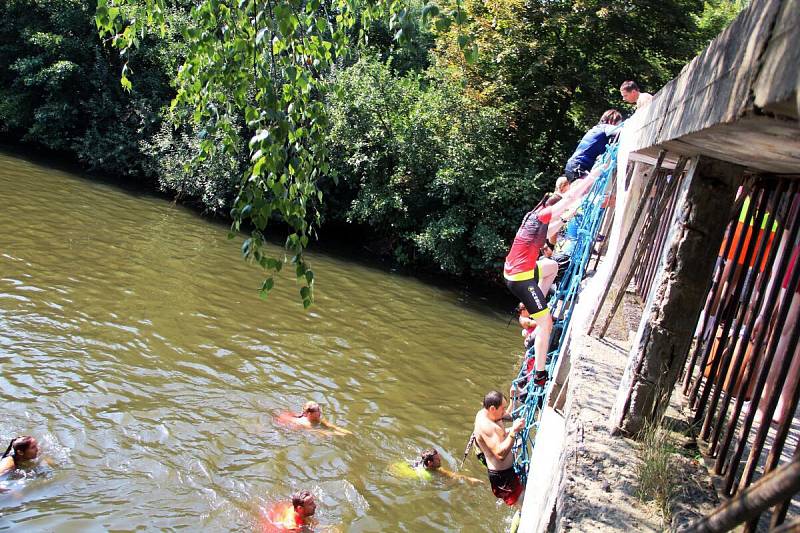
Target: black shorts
<point x="505" y="485"/>
<point x="530" y="295"/>
<point x="574" y="172"/>
<point x="563" y="261"/>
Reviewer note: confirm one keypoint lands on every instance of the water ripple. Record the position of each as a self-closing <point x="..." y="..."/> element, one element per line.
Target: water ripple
<point x="133" y="342"/>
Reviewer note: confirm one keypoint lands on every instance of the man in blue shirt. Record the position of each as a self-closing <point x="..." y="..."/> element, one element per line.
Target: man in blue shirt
<point x="592" y="145"/>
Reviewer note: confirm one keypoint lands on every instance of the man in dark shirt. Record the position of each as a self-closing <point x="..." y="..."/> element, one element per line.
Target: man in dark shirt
<point x="592" y="145"/>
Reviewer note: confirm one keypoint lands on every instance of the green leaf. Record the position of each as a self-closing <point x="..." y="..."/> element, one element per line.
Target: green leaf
<point x="459" y="16"/>
<point x="443" y="24"/>
<point x="471" y="53"/>
<point x="429" y="11"/>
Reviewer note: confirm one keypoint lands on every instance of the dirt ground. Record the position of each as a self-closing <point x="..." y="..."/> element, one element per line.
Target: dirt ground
<point x="598" y="491"/>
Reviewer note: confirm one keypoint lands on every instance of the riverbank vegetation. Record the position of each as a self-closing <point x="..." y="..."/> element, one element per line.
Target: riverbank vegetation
<point x="425" y="149"/>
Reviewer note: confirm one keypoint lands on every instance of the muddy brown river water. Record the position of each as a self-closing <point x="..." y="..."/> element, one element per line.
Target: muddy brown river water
<point x="134" y="346"/>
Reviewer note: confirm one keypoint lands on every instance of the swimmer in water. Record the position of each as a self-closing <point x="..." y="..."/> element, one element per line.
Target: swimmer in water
<point x="311" y="418"/>
<point x="428" y="465"/>
<point x="294" y="515"/>
<point x="21" y="451"/>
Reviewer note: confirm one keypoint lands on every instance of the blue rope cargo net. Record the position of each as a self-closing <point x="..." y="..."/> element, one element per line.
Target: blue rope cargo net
<point x="529" y="406"/>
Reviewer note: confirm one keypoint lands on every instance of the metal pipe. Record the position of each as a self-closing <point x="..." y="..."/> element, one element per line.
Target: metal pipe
<point x="733" y="318"/>
<point x="722" y="304"/>
<point x="621" y="253"/>
<point x="780" y="510"/>
<point x="762" y="275"/>
<point x="646" y="236"/>
<point x="650" y="254"/>
<point x="783" y="372"/>
<point x="766" y="363"/>
<point x="714" y="287"/>
<point x="782" y="215"/>
<point x="766" y="492"/>
<point x="652" y="268"/>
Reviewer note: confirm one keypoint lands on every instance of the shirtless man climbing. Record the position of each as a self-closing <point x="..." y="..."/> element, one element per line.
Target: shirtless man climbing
<point x="496" y="443"/>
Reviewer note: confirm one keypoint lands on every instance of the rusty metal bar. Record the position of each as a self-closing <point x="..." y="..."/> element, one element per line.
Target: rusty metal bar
<point x="646" y="236"/>
<point x="780" y="510"/>
<point x="772" y="399"/>
<point x="766" y="363"/>
<point x="661" y="237"/>
<point x="766" y="300"/>
<point x="641" y="268"/>
<point x="789" y="527"/>
<point x="762" y="275"/>
<point x="708" y="345"/>
<point x="621" y="253"/>
<point x="640" y="263"/>
<point x="732" y="316"/>
<point x="714" y="287"/>
<point x="661" y="177"/>
<point x="766" y="492"/>
<point x="786" y="423"/>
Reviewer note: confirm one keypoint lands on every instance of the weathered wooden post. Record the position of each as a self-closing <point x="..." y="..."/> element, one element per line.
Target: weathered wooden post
<point x="676" y="298"/>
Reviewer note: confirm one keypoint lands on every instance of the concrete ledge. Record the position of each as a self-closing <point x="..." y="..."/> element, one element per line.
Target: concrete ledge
<point x="539" y="496"/>
<point x="736" y="100"/>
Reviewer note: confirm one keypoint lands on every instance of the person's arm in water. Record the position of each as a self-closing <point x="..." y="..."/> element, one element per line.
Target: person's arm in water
<point x="459" y="477"/>
<point x="498" y="441"/>
<point x="334" y="429"/>
<point x="7" y="465"/>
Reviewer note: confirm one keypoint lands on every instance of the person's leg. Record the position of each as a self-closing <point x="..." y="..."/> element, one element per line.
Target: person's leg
<point x="544" y="327"/>
<point x="531" y="296"/>
<point x="569" y="172"/>
<point x="548" y="269"/>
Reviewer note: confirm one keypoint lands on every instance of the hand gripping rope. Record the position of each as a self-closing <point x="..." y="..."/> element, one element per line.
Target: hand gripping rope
<point x="528" y="398"/>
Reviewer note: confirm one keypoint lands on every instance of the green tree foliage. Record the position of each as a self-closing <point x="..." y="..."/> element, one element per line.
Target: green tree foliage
<point x="267" y="61"/>
<point x="59" y="86"/>
<point x="715" y="17"/>
<point x="210" y="184"/>
<point x="556" y="65"/>
<point x="424" y="167"/>
<point x="444" y="130"/>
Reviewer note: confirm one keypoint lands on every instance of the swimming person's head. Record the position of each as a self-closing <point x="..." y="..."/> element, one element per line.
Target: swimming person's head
<point x="303" y="503"/>
<point x="25" y="448"/>
<point x="495" y="404"/>
<point x="313" y="412"/>
<point x="431" y="459"/>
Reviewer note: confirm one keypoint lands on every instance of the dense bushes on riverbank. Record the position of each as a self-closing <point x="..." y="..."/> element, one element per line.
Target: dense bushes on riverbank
<point x="437" y="160"/>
